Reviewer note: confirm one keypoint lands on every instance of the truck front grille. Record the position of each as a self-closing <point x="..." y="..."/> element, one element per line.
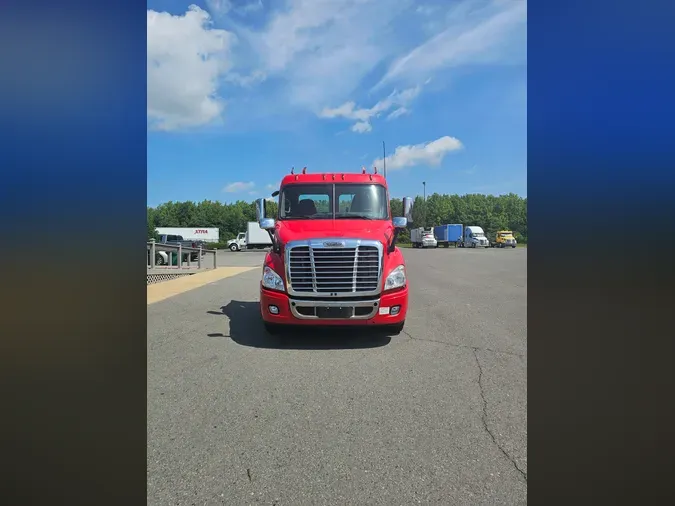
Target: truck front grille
<point x="334" y="270"/>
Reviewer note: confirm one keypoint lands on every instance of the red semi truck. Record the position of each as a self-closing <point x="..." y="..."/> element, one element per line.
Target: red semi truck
<point x="334" y="260"/>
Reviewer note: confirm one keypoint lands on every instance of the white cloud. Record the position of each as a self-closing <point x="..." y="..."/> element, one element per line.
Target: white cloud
<point x="319" y="50"/>
<point x="401" y="111"/>
<point x="361" y="127"/>
<point x="254" y="77"/>
<point x="253" y="6"/>
<point x="220" y="8"/>
<point x="239" y="187"/>
<point x="312" y="53"/>
<point x="186" y="59"/>
<point x="426" y="10"/>
<point x="429" y="153"/>
<point x="272" y="187"/>
<point x="473" y="33"/>
<point x="349" y="110"/>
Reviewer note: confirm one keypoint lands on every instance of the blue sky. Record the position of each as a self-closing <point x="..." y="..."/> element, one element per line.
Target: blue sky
<point x="241" y="90"/>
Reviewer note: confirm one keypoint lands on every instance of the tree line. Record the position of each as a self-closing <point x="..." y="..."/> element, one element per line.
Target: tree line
<point x="492" y="213"/>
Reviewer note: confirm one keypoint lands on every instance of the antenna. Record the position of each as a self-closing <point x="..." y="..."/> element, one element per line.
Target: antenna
<point x="363" y="169"/>
<point x="375" y="169"/>
<point x="292" y="169"/>
<point x="304" y="170"/>
<point x="384" y="159"/>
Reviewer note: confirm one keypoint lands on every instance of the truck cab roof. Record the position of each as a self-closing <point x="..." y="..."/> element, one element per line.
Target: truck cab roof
<point x="333" y="177"/>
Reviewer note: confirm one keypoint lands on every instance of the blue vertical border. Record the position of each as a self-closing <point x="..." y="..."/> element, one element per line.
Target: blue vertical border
<point x="601" y="173"/>
<point x="72" y="206"/>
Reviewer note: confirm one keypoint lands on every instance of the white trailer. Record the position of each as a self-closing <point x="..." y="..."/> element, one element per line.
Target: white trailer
<point x="192" y="233"/>
<point x="254" y="237"/>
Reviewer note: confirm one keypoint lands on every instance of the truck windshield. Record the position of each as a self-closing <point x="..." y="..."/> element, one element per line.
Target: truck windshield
<point x="505" y="234"/>
<point x="338" y="201"/>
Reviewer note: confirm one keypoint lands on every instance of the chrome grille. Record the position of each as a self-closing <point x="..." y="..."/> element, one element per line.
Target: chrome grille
<point x="323" y="270"/>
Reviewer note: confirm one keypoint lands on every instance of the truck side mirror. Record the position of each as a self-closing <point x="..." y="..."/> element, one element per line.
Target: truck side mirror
<point x="400" y="222"/>
<point x="260" y="209"/>
<point x="407" y="209"/>
<point x="267" y="224"/>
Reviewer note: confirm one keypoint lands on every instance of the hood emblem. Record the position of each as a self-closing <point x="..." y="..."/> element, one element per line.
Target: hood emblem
<point x="334" y="244"/>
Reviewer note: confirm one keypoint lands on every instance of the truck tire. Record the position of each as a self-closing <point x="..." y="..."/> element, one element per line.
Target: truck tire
<point x="233" y="247"/>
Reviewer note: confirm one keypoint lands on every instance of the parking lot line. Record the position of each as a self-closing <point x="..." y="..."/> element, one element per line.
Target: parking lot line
<point x="166" y="289"/>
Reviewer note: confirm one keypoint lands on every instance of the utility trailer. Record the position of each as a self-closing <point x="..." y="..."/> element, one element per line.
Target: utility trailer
<point x="449" y="234"/>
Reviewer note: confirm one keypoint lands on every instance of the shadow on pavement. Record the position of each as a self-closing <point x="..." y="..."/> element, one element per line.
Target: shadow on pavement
<point x="246" y="329"/>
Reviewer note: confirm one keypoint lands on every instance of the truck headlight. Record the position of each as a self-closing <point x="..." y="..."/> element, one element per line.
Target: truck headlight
<point x="272" y="280"/>
<point x="396" y="278"/>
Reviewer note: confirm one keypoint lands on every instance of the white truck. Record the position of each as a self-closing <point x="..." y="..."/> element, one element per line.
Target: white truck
<point x="422" y="238"/>
<point x="204" y="234"/>
<point x="474" y="237"/>
<point x="254" y="237"/>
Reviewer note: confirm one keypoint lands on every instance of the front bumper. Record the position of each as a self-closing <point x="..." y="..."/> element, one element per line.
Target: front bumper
<point x="374" y="310"/>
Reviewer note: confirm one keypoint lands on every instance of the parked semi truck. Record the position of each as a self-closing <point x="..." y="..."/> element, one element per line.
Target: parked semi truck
<point x="334" y="259"/>
<point x="448" y="234"/>
<point x="504" y="239"/>
<point x="423" y="238"/>
<point x="254" y="238"/>
<point x="474" y="237"/>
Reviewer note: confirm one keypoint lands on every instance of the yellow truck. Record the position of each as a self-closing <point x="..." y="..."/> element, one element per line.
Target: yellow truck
<point x="504" y="239"/>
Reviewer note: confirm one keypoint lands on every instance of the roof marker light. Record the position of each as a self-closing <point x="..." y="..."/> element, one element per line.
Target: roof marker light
<point x="333" y="177"/>
<point x="304" y="170"/>
<point x="343" y="177"/>
<point x="363" y="169"/>
<point x="371" y="176"/>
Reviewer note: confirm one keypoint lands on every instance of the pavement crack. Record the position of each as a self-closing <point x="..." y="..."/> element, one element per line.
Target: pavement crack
<point x="248" y="473"/>
<point x="484" y="417"/>
<point x="465" y="346"/>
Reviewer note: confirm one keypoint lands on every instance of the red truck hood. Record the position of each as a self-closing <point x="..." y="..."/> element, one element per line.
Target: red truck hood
<point x="312" y="229"/>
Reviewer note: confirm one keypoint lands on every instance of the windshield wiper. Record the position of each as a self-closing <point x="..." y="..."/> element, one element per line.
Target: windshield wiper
<point x="354" y="217"/>
<point x="310" y="217"/>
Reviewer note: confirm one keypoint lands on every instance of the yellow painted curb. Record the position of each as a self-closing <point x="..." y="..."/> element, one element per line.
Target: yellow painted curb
<point x="166" y="289"/>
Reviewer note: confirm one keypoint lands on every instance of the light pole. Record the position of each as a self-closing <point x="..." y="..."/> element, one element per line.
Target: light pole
<point x="424" y="219"/>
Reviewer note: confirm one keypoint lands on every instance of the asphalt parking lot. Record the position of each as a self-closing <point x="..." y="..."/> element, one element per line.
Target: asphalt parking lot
<point x="437" y="415"/>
